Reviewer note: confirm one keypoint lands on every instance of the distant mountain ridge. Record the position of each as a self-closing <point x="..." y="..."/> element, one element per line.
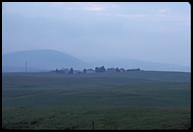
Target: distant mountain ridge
<point x="39" y="60"/>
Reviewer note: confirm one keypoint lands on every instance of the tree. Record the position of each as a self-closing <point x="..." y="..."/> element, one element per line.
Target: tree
<point x="71" y="71"/>
<point x="117" y="69"/>
<point x="84" y="70"/>
<point x="100" y="69"/>
<point x="96" y="69"/>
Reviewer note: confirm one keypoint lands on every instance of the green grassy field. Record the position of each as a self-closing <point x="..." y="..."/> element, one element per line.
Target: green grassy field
<point x="132" y="100"/>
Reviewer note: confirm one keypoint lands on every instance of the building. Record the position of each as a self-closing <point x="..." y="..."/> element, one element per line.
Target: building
<point x="111" y="70"/>
<point x="90" y="71"/>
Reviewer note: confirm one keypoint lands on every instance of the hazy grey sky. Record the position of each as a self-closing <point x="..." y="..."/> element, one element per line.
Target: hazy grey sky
<point x="156" y="32"/>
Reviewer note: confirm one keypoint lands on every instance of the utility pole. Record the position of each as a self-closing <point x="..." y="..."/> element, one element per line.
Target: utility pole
<point x="92" y="125"/>
<point x="25" y="66"/>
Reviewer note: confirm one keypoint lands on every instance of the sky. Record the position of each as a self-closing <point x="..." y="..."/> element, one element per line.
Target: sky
<point x="155" y="32"/>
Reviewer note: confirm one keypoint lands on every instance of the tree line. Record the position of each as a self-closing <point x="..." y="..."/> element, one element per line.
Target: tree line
<point x="96" y="70"/>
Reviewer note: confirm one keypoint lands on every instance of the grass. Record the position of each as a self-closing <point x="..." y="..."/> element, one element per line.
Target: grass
<point x="133" y="100"/>
<point x="103" y="117"/>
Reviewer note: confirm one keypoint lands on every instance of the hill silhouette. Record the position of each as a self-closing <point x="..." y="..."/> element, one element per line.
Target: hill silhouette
<point x="39" y="60"/>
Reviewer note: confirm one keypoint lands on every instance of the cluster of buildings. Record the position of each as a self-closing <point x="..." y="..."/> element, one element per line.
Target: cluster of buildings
<point x="96" y="70"/>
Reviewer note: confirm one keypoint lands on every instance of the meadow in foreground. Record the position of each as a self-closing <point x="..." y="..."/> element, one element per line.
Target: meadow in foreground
<point x="133" y="100"/>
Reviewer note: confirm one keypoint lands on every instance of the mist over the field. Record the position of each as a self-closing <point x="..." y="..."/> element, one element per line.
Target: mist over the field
<point x="152" y="36"/>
